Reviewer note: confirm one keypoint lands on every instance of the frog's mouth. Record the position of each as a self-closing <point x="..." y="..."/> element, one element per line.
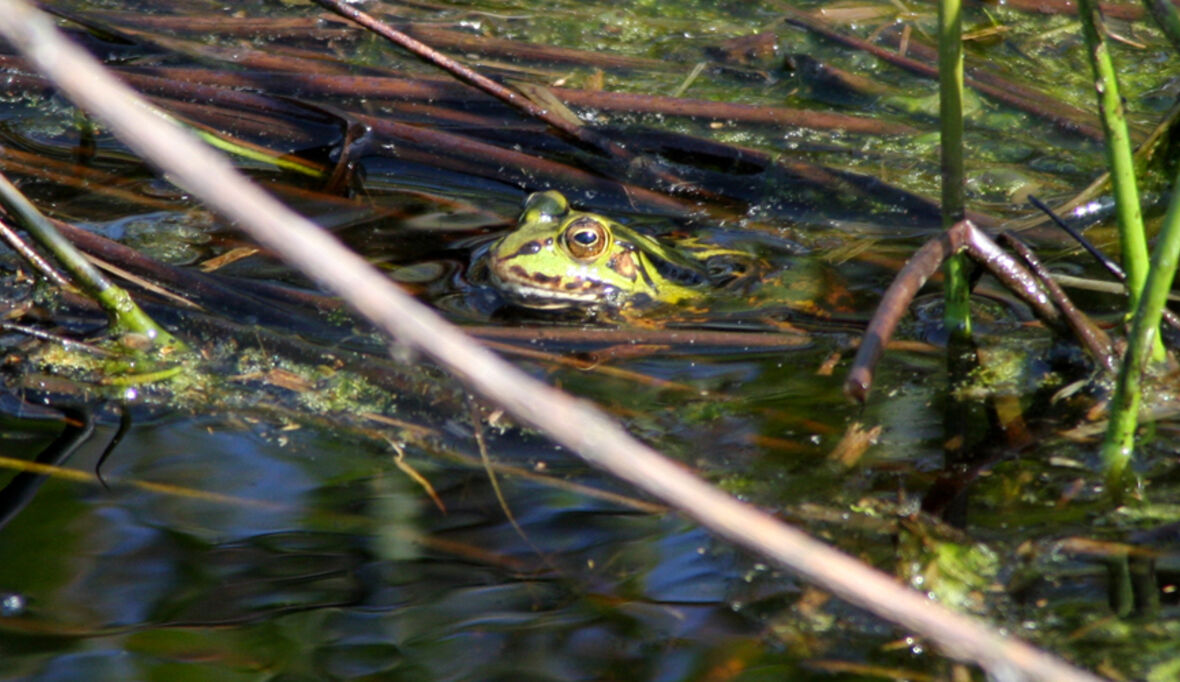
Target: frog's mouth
<point x="538" y="290"/>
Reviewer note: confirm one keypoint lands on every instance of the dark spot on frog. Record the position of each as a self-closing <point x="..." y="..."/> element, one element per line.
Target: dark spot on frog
<point x="679" y="274"/>
<point x="526" y="249"/>
<point x="641" y="300"/>
<point x="645" y="274"/>
<point x="540" y="278"/>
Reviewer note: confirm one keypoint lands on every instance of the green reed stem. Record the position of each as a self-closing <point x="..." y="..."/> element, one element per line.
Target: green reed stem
<point x="124" y="313"/>
<point x="950" y="87"/>
<point x="1147" y="283"/>
<point x="1120" y="158"/>
<point x="1119" y="443"/>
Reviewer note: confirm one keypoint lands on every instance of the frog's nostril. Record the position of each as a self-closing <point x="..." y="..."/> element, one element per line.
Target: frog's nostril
<point x="528" y="248"/>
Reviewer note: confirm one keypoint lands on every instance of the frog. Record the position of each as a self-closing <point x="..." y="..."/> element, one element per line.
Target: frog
<point x="560" y="258"/>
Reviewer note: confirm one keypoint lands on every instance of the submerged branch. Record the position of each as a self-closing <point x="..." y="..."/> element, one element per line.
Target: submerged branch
<point x="34" y="259"/>
<point x="568" y="124"/>
<point x="310" y="83"/>
<point x="921" y="267"/>
<point x="1093" y="337"/>
<point x="176" y="88"/>
<point x="1049" y="303"/>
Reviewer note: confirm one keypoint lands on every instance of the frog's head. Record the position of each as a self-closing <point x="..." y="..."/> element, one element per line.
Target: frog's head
<point x="558" y="258"/>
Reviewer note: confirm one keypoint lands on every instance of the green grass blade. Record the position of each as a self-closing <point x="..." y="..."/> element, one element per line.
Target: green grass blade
<point x="261" y="155"/>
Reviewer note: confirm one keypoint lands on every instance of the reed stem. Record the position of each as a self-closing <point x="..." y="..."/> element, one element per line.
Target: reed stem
<point x="1119" y="443"/>
<point x="950" y="81"/>
<point x="1120" y="158"/>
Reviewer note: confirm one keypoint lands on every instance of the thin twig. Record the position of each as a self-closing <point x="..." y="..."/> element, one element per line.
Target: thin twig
<point x="34" y="259"/>
<point x="486" y="459"/>
<point x="1090" y="335"/>
<point x="55" y="338"/>
<point x="1112" y="267"/>
<point x="570" y="125"/>
<point x="1010" y="272"/>
<point x="473" y="77"/>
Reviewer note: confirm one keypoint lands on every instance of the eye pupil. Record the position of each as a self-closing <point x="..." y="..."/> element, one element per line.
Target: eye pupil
<point x="586" y="238"/>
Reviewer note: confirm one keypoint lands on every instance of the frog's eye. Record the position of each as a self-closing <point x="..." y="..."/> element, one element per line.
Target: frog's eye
<point x="586" y="238"/>
<point x="544" y="206"/>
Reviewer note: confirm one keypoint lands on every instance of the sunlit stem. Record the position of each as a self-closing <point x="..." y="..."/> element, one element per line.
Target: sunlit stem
<point x="125" y="315"/>
<point x="1124" y="406"/>
<point x="950" y="81"/>
<point x="258" y="154"/>
<point x="1120" y="158"/>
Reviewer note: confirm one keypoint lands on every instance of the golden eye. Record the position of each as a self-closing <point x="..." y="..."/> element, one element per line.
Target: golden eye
<point x="586" y="238"/>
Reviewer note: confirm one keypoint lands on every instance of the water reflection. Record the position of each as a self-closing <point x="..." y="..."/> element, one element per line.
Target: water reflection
<point x="77" y="428"/>
<point x="303" y="567"/>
